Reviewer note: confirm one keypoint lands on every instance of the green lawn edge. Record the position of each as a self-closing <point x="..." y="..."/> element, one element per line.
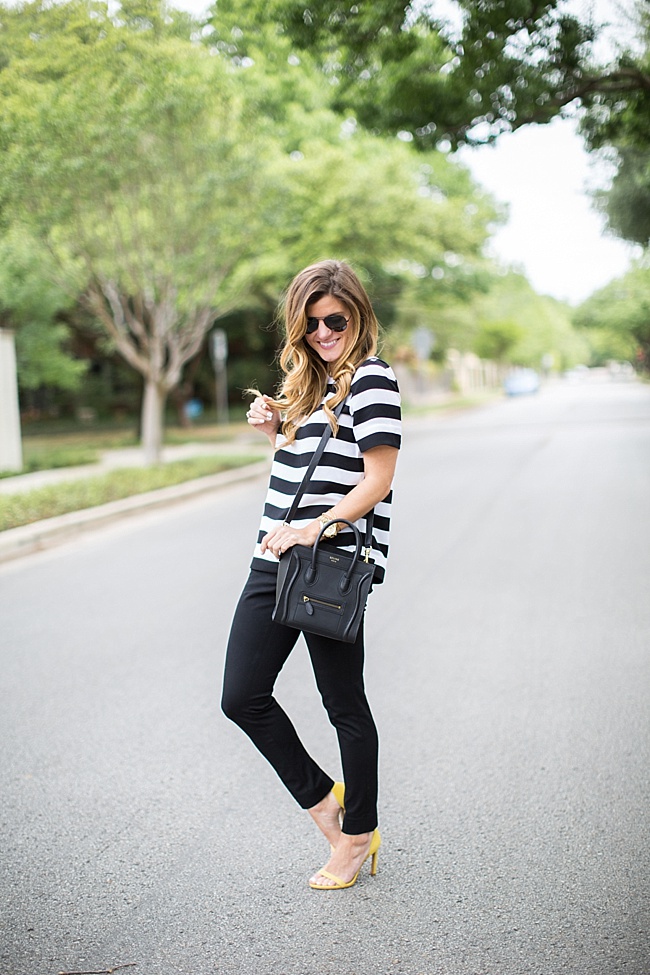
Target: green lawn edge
<point x="27" y="507"/>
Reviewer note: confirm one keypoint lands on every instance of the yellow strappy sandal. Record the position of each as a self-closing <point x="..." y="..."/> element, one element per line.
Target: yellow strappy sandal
<point x="339" y="884"/>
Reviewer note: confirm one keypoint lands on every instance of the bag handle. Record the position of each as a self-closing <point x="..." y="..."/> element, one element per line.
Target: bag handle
<point x="344" y="584"/>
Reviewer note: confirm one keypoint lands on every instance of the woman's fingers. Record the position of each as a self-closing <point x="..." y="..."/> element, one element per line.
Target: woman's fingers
<point x="280" y="539"/>
<point x="274" y="543"/>
<point x="259" y="411"/>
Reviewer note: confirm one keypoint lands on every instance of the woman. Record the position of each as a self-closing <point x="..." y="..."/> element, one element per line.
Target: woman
<point x="328" y="357"/>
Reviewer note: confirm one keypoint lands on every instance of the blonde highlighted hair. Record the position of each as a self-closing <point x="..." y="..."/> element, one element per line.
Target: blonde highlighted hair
<point x="305" y="379"/>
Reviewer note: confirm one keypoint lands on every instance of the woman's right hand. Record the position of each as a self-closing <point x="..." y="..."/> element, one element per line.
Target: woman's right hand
<point x="263" y="417"/>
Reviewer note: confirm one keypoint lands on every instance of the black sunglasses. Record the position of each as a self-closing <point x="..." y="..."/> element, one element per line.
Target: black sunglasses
<point x="336" y="323"/>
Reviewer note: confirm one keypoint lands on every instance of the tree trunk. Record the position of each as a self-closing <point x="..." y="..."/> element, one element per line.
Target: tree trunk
<point x="153" y="404"/>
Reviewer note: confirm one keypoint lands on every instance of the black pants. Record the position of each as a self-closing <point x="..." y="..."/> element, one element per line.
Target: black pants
<point x="257" y="651"/>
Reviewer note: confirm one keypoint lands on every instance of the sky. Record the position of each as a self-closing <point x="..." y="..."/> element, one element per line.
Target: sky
<point x="553" y="232"/>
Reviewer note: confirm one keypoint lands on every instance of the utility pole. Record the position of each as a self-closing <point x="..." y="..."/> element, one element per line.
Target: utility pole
<point x="11" y="453"/>
<point x="219" y="348"/>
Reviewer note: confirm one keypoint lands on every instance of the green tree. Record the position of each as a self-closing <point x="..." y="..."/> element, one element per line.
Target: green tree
<point x="496" y="340"/>
<point x="414" y="223"/>
<point x="125" y="147"/>
<point x="384" y="205"/>
<point x="183" y="180"/>
<point x="31" y="303"/>
<point x="626" y="203"/>
<point x="621" y="125"/>
<point x="545" y="325"/>
<point x="622" y="309"/>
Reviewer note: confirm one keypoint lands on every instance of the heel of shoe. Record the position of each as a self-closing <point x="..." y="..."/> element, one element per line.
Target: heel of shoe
<point x="338" y="791"/>
<point x="374" y="852"/>
<point x="339" y="794"/>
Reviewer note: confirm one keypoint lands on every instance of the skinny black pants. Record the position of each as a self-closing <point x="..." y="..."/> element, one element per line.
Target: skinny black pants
<point x="257" y="650"/>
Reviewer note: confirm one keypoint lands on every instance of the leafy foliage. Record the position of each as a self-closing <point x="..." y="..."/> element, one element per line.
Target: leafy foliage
<point x="88" y="492"/>
<point x="495" y="340"/>
<point x="185" y="180"/>
<point x="31" y="303"/>
<point x="622" y="123"/>
<point x="627" y="202"/>
<point x="182" y="172"/>
<point x="399" y="66"/>
<point x="126" y="149"/>
<point x="534" y="325"/>
<point x="621" y="310"/>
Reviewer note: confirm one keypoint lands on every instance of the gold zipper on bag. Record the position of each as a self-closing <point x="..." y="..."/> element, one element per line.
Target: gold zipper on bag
<point x="321" y="602"/>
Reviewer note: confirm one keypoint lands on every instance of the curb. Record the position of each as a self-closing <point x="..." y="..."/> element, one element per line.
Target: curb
<point x="15" y="542"/>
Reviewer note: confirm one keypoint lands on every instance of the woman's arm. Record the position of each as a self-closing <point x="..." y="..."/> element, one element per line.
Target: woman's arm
<point x="379" y="469"/>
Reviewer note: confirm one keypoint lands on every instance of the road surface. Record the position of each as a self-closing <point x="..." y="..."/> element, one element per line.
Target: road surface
<point x="508" y="671"/>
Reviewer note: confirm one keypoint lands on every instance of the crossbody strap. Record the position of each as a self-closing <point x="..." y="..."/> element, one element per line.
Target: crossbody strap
<point x="313" y="463"/>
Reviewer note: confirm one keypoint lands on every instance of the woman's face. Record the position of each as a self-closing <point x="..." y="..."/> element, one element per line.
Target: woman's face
<point x="329" y="345"/>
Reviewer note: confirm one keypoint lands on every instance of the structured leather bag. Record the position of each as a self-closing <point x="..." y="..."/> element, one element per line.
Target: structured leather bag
<point x="323" y="589"/>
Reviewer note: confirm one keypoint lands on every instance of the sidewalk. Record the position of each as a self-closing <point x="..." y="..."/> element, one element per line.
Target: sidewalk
<point x="43" y="534"/>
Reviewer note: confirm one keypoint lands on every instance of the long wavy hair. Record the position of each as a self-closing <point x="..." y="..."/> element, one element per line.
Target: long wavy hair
<point x="305" y="373"/>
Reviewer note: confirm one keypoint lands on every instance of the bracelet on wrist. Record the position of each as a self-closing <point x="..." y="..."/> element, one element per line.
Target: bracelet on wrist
<point x="333" y="530"/>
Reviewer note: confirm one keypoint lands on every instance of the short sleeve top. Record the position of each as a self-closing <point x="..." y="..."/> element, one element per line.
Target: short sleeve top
<point x="371" y="417"/>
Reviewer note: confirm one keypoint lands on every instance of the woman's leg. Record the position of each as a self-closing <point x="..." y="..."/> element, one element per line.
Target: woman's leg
<point x="338" y="668"/>
<point x="257" y="651"/>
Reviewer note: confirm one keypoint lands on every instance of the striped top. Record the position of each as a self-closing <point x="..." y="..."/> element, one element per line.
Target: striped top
<point x="371" y="417"/>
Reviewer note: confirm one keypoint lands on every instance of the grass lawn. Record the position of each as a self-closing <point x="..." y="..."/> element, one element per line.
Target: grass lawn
<point x="88" y="492"/>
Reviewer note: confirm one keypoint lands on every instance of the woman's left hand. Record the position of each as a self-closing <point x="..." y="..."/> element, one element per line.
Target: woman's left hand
<point x="282" y="537"/>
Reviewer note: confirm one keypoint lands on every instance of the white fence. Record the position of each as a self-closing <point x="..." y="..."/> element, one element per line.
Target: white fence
<point x="463" y="372"/>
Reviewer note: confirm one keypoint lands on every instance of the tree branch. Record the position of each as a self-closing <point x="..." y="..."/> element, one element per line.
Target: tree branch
<point x="616" y="82"/>
<point x="95" y="299"/>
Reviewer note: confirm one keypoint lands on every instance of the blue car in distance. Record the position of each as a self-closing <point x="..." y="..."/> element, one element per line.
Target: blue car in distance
<point x="521" y="382"/>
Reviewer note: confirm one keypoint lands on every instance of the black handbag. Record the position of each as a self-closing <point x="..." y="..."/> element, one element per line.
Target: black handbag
<point x="324" y="589"/>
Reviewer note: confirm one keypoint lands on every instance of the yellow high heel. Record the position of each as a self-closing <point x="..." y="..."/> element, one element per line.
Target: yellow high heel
<point x="338" y="790"/>
<point x="339" y="794"/>
<point x="339" y="884"/>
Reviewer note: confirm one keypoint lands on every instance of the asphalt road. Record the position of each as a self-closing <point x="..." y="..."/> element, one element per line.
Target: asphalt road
<point x="508" y="670"/>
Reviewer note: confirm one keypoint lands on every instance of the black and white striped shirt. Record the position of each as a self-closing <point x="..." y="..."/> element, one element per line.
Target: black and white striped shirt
<point x="371" y="417"/>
